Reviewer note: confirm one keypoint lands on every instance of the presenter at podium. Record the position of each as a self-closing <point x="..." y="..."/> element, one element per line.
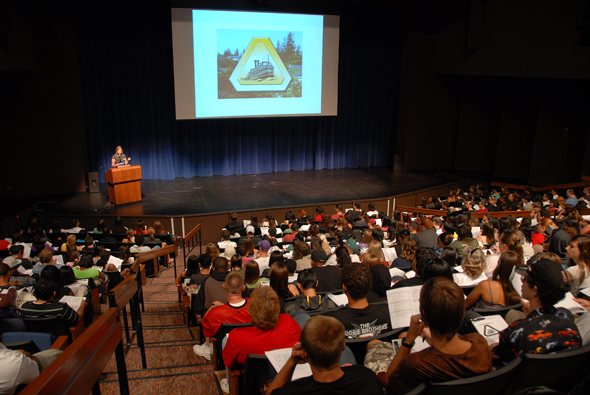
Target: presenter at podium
<point x="119" y="158"/>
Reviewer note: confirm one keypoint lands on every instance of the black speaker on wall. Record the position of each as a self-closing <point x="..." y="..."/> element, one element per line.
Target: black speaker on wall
<point x="93" y="185"/>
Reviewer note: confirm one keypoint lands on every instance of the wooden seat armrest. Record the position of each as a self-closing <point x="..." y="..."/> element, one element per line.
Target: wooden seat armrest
<point x="60" y="343"/>
<point x="79" y="328"/>
<point x="214" y="356"/>
<point x="234" y="382"/>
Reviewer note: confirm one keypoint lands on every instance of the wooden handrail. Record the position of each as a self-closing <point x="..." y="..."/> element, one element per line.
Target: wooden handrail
<point x="77" y="369"/>
<point x="427" y="211"/>
<point x="193" y="232"/>
<point x="500" y="214"/>
<point x="125" y="290"/>
<point x="544" y="188"/>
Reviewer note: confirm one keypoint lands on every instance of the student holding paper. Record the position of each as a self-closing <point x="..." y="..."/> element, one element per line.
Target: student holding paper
<point x="322" y="342"/>
<point x="449" y="356"/>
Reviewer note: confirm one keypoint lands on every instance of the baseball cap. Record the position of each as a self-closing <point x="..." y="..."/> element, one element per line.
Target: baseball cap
<point x="351" y="243"/>
<point x="546" y="272"/>
<point x="264" y="245"/>
<point x="11" y="261"/>
<point x="249" y="229"/>
<point x="319" y="256"/>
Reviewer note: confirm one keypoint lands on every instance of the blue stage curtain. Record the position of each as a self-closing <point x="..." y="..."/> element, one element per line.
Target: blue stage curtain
<point x="127" y="75"/>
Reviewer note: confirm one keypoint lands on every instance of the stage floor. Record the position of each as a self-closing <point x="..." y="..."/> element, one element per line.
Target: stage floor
<point x="200" y="195"/>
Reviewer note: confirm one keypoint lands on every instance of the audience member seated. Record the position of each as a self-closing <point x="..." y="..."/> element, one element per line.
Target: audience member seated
<point x="45" y="258"/>
<point x="85" y="270"/>
<point x="309" y="302"/>
<point x="381" y="283"/>
<point x="225" y="241"/>
<point x="119" y="228"/>
<point x="427" y="238"/>
<point x="423" y="255"/>
<point x="20" y="367"/>
<point x="199" y="269"/>
<point x="406" y="259"/>
<point x="290" y="233"/>
<point x="279" y="281"/>
<point x="237" y="264"/>
<point x="45" y="291"/>
<point x="150" y="237"/>
<point x="75" y="227"/>
<point x="106" y="236"/>
<point x="235" y="311"/>
<point x="507" y="241"/>
<point x="360" y="319"/>
<point x="15" y="259"/>
<point x="69" y="280"/>
<point x="212" y="288"/>
<point x="473" y="265"/>
<point x="449" y="356"/>
<point x="138" y="247"/>
<point x="140" y="228"/>
<point x="321" y="344"/>
<point x="233" y="225"/>
<point x="70" y="240"/>
<point x="482" y="296"/>
<point x="545" y="329"/>
<point x="130" y="239"/>
<point x="436" y="268"/>
<point x="302" y="255"/>
<point x="464" y="239"/>
<point x="560" y="239"/>
<point x="252" y="274"/>
<point x="99" y="228"/>
<point x="328" y="276"/>
<point x="578" y="251"/>
<point x="261" y="256"/>
<point x="270" y="330"/>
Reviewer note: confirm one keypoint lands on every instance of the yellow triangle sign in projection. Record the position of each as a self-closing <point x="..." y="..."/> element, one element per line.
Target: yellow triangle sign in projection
<point x="260" y="69"/>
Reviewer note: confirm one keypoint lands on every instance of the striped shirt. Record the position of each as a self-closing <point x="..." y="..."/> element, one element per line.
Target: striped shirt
<point x="51" y="309"/>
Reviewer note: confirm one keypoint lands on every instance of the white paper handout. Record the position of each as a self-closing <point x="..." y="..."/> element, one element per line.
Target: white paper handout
<point x="278" y="359"/>
<point x="115" y="261"/>
<point x="59" y="259"/>
<point x="73" y="301"/>
<point x="569" y="303"/>
<point x="403" y="303"/>
<point x="340" y="300"/>
<point x="389" y="254"/>
<point x="419" y="345"/>
<point x="490" y="327"/>
<point x="394" y="271"/>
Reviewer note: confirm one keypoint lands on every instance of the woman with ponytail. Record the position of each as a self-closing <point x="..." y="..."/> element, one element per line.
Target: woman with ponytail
<point x="508" y="241"/>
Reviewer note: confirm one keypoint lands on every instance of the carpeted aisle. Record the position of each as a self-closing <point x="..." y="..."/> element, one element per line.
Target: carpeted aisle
<point x="173" y="368"/>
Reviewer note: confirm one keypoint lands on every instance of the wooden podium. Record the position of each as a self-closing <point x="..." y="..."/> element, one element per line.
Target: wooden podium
<point x="124" y="184"/>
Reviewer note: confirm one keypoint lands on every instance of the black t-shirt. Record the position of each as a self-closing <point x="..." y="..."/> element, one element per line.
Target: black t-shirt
<point x="329" y="278"/>
<point x="357" y="379"/>
<point x="198" y="278"/>
<point x="408" y="282"/>
<point x="360" y="322"/>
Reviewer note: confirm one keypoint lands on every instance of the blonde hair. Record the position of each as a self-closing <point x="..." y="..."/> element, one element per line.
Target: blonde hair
<point x="474" y="261"/>
<point x="375" y="249"/>
<point x="370" y="261"/>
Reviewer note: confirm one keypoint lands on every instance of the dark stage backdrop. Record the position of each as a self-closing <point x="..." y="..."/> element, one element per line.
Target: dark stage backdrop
<point x="127" y="79"/>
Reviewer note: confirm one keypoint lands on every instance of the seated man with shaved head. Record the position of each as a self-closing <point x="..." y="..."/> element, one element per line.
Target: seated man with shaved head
<point x="234" y="311"/>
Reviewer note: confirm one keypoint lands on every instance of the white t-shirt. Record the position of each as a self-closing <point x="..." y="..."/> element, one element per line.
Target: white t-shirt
<point x="463" y="280"/>
<point x="16" y="369"/>
<point x="262" y="263"/>
<point x="226" y="243"/>
<point x="491" y="263"/>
